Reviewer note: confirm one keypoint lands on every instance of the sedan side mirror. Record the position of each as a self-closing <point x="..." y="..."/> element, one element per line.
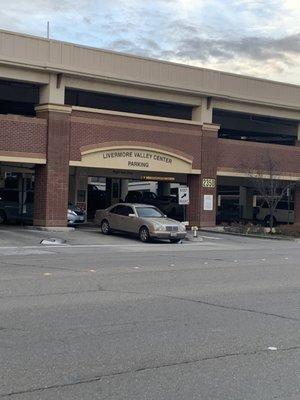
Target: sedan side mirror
<point x="131" y="215"/>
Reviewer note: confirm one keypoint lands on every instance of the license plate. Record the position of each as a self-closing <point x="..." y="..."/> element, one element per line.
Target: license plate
<point x="173" y="234"/>
<point x="81" y="218"/>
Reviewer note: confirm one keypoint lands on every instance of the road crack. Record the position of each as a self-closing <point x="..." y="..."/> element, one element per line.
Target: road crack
<point x="143" y="369"/>
<point x="250" y="310"/>
<point x="206" y="303"/>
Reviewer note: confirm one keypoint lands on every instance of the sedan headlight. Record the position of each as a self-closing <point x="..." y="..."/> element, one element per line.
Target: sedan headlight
<point x="159" y="227"/>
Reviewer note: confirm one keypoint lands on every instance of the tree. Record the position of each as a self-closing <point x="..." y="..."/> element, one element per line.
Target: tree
<point x="266" y="180"/>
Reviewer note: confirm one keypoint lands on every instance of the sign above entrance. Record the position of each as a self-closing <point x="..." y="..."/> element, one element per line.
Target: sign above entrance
<point x="158" y="178"/>
<point x="136" y="159"/>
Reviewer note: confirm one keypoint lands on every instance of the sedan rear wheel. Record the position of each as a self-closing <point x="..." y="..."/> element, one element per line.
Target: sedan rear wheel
<point x="144" y="234"/>
<point x="105" y="228"/>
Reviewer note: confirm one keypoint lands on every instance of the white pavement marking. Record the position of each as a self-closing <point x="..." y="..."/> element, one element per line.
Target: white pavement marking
<point x="136" y="248"/>
<point x="20" y="251"/>
<point x="97" y="245"/>
<point x="210" y="237"/>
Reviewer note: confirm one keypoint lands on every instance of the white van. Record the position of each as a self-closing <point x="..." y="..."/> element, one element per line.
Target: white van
<point x="284" y="212"/>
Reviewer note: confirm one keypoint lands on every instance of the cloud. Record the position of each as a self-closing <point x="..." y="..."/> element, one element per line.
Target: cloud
<point x="260" y="37"/>
<point x="256" y="48"/>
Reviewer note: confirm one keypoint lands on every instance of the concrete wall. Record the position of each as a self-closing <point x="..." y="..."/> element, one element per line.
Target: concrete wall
<point x="29" y="52"/>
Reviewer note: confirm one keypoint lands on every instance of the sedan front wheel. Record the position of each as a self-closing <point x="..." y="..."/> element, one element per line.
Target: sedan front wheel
<point x="105" y="228"/>
<point x="144" y="234"/>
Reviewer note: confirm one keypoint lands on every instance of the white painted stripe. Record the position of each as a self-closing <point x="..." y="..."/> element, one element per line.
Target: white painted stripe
<point x="63" y="246"/>
<point x="210" y="237"/>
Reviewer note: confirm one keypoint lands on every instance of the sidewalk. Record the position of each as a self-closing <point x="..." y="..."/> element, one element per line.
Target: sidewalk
<point x="220" y="230"/>
<point x="89" y="234"/>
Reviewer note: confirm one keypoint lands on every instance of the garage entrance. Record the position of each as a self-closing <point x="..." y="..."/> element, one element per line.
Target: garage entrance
<point x="16" y="194"/>
<point x="93" y="190"/>
<point x="129" y="171"/>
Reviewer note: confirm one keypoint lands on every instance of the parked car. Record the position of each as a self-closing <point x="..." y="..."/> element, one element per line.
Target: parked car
<point x="144" y="220"/>
<point x="75" y="215"/>
<point x="167" y="204"/>
<point x="12" y="211"/>
<point x="283" y="214"/>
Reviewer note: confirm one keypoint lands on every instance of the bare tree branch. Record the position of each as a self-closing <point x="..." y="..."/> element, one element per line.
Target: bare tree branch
<point x="265" y="177"/>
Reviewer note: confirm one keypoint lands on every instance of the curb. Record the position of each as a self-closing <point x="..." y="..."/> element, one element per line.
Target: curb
<point x="286" y="238"/>
<point x="49" y="228"/>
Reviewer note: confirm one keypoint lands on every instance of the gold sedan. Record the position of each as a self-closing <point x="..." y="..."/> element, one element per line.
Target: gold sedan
<point x="144" y="220"/>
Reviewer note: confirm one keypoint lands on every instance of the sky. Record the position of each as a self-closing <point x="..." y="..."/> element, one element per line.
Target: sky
<point x="251" y="37"/>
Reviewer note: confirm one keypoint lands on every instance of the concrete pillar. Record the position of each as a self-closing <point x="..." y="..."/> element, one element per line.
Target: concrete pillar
<point x="203" y="112"/>
<point x="297" y="205"/>
<point x="203" y="188"/>
<point x="108" y="192"/>
<point x="54" y="91"/>
<point x="166" y="188"/>
<point x="112" y="191"/>
<point x="246" y="203"/>
<point x="52" y="179"/>
<point x="163" y="188"/>
<point x="81" y="189"/>
<point x="124" y="188"/>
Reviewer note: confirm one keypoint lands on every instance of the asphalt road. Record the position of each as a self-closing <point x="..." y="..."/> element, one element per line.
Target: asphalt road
<point x="112" y="318"/>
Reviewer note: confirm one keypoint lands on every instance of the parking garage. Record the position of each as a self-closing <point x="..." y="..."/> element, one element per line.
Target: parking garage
<point x="136" y="124"/>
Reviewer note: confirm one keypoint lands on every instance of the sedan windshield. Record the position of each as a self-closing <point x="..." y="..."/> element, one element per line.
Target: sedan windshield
<point x="149" y="212"/>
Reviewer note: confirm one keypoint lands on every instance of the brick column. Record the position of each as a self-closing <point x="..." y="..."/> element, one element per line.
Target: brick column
<point x="297" y="206"/>
<point x="52" y="179"/>
<point x="194" y="208"/>
<point x="204" y="187"/>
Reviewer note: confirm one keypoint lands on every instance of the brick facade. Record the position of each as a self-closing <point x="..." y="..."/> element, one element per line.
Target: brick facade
<point x="52" y="179"/>
<point x="197" y="215"/>
<point x="89" y="128"/>
<point x="23" y="135"/>
<point x="61" y="137"/>
<point x="236" y="156"/>
<point x="194" y="211"/>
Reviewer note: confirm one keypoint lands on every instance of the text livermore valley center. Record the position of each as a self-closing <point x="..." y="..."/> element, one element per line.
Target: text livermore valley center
<point x="140" y="159"/>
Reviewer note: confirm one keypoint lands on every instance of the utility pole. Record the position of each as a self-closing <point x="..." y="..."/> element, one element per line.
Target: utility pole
<point x="48" y="30"/>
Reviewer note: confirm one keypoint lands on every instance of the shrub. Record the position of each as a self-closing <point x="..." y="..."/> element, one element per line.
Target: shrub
<point x="289" y="230"/>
